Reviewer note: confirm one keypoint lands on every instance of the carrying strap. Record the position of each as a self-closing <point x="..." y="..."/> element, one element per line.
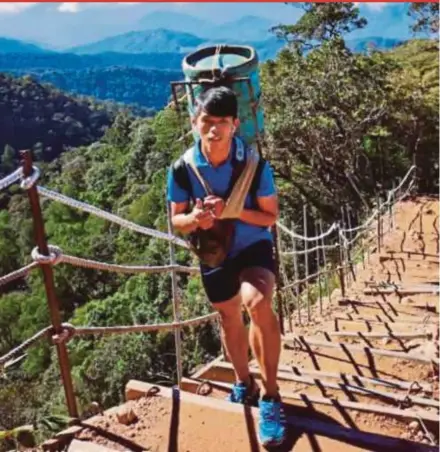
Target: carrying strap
<point x="241" y="180"/>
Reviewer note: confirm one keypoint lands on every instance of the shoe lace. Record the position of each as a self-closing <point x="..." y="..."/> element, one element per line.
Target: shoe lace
<point x="238" y="392"/>
<point x="270" y="413"/>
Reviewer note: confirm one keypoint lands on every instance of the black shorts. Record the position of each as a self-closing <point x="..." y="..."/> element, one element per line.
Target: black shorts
<point x="223" y="283"/>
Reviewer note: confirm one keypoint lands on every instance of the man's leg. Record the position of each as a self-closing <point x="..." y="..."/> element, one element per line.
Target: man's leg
<point x="235" y="336"/>
<point x="265" y="339"/>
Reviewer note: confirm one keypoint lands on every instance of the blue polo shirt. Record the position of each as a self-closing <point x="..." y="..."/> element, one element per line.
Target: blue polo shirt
<point x="218" y="179"/>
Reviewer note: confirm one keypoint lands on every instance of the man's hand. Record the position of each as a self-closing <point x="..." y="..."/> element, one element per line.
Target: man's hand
<point x="215" y="204"/>
<point x="203" y="218"/>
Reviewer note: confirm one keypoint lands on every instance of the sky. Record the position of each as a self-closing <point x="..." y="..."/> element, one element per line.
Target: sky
<point x="74" y="7"/>
<point x="56" y="24"/>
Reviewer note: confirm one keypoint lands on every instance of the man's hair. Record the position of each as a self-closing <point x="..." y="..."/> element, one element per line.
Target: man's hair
<point x="219" y="101"/>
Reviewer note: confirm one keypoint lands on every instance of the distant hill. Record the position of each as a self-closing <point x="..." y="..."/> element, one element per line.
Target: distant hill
<point x="43" y="118"/>
<point x="70" y="61"/>
<point x="374" y="42"/>
<point x="149" y="88"/>
<point x="148" y="41"/>
<point x="247" y="28"/>
<point x="171" y="41"/>
<point x="170" y="20"/>
<point x="15" y="46"/>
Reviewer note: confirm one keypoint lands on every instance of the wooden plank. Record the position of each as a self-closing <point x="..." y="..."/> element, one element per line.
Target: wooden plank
<point x="387" y="382"/>
<point x="343" y="386"/>
<point x="404" y="258"/>
<point x="87" y="446"/>
<point x="386" y="321"/>
<point x="310" y="426"/>
<point x="382" y="335"/>
<point x="411" y="253"/>
<point x="389" y="304"/>
<point x="354" y="348"/>
<point x="402" y="291"/>
<point x="206" y="367"/>
<point x="356" y="406"/>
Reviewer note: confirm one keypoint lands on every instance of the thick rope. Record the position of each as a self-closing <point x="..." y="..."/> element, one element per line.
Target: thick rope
<point x="109" y="216"/>
<point x="11" y="178"/>
<point x="28" y="182"/>
<point x="26" y="344"/>
<point x="333" y="227"/>
<point x="56" y="256"/>
<point x="311" y="250"/>
<point x="80" y="331"/>
<point x="365" y="225"/>
<point x="69" y="331"/>
<point x="20" y="273"/>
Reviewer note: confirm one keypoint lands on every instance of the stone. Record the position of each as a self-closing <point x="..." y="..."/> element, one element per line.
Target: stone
<point x="414" y="426"/>
<point x="420" y="436"/>
<point x="125" y="415"/>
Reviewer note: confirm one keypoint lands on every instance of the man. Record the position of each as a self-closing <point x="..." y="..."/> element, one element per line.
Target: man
<point x="246" y="277"/>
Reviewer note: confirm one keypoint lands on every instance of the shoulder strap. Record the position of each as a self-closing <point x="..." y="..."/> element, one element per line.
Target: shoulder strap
<point x="180" y="174"/>
<point x="235" y="202"/>
<point x="238" y="164"/>
<point x="189" y="158"/>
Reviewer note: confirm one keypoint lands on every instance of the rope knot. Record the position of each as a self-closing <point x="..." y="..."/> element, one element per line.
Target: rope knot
<point x="67" y="332"/>
<point x="54" y="258"/>
<point x="204" y="388"/>
<point x="28" y="182"/>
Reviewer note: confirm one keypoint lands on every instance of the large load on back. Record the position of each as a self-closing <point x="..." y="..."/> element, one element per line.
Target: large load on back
<point x="235" y="67"/>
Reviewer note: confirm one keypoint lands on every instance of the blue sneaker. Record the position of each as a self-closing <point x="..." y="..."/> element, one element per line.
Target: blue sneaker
<point x="245" y="395"/>
<point x="272" y="423"/>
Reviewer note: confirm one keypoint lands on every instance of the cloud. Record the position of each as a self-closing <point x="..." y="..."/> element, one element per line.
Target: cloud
<point x="374" y="6"/>
<point x="69" y="7"/>
<point x="74" y="7"/>
<point x="15" y="7"/>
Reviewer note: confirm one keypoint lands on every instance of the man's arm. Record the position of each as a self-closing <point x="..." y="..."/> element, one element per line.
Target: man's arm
<point x="188" y="222"/>
<point x="183" y="221"/>
<point x="266" y="212"/>
<point x="266" y="215"/>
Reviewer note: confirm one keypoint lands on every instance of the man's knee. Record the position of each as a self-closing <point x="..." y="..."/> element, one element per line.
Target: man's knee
<point x="230" y="312"/>
<point x="256" y="291"/>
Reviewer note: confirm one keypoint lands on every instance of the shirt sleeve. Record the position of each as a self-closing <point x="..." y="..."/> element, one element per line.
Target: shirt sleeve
<point x="174" y="192"/>
<point x="267" y="182"/>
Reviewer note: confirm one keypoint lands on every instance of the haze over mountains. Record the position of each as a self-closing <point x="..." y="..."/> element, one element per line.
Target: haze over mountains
<point x="123" y="48"/>
<point x="64" y="25"/>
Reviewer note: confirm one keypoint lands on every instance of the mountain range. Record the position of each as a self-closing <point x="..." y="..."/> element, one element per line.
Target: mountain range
<point x="116" y="49"/>
<point x="62" y="26"/>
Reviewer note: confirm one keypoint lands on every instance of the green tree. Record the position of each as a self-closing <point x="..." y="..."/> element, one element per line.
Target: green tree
<point x="8" y="161"/>
<point x="426" y="17"/>
<point x="321" y="22"/>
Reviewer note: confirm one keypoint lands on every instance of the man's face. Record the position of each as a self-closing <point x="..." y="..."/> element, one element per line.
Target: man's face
<point x="215" y="131"/>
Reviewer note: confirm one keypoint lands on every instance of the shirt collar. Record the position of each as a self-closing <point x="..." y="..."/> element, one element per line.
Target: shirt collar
<point x="201" y="160"/>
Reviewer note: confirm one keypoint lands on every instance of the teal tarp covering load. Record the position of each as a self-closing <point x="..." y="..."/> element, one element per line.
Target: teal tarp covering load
<point x="223" y="65"/>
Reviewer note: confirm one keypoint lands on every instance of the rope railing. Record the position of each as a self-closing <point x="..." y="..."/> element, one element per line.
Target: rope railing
<point x="311" y="250"/>
<point x="17" y="274"/>
<point x="56" y="257"/>
<point x="345" y="243"/>
<point x="11" y="179"/>
<point x="25" y="345"/>
<point x="109" y="216"/>
<point x="343" y="231"/>
<point x="69" y="331"/>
